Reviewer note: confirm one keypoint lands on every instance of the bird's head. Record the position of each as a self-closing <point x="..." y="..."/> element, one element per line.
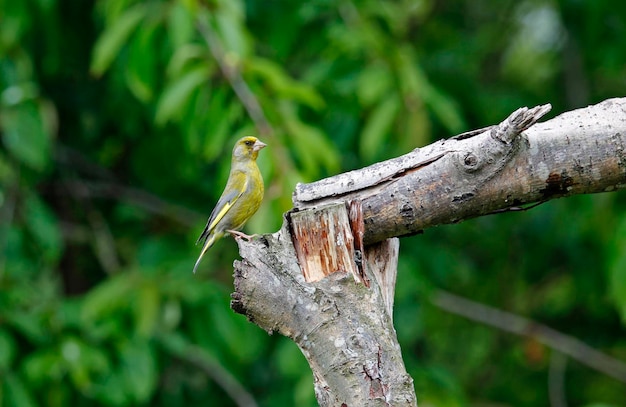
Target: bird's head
<point x="247" y="147"/>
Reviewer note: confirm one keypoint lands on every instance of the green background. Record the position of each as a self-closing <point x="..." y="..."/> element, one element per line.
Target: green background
<point x="117" y="126"/>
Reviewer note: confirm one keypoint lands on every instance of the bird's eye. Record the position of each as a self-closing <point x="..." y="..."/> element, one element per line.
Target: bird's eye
<point x="249" y="142"/>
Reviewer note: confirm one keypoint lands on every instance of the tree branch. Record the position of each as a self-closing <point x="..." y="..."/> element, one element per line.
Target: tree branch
<point x="318" y="281"/>
<point x="137" y="197"/>
<point x="583" y="151"/>
<point x="518" y="325"/>
<point x="200" y="358"/>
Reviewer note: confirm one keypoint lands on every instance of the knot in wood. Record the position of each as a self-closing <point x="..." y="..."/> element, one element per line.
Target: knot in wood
<point x="406" y="211"/>
<point x="470" y="162"/>
<point x="356" y="341"/>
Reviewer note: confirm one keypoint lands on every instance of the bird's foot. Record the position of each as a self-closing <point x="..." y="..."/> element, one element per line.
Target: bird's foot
<point x="237" y="234"/>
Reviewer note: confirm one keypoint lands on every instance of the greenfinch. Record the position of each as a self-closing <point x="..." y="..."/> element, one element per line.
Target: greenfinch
<point x="241" y="198"/>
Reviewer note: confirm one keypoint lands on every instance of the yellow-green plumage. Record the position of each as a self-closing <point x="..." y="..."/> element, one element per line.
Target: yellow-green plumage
<point x="242" y="195"/>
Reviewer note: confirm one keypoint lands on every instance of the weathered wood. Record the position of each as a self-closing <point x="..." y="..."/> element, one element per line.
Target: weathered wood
<point x="343" y="328"/>
<point x="381" y="260"/>
<point x="578" y="152"/>
<point x="323" y="241"/>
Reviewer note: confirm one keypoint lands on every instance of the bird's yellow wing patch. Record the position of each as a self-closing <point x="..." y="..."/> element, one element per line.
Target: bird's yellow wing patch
<point x="223" y="210"/>
<point x="225" y="203"/>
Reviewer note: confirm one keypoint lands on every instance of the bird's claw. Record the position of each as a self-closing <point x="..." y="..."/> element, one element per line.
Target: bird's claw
<point x="237" y="234"/>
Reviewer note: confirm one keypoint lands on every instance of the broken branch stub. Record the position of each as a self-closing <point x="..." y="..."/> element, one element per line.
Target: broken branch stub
<point x="343" y="328"/>
<point x="323" y="241"/>
<point x="328" y="239"/>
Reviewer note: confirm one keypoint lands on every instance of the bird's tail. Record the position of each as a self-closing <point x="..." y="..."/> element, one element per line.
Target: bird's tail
<point x="209" y="242"/>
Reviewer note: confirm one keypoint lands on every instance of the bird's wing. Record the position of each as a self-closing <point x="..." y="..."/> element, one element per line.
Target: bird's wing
<point x="226" y="201"/>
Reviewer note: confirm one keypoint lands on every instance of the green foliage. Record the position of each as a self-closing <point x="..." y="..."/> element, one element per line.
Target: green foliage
<point x="111" y="41"/>
<point x="617" y="268"/>
<point x="116" y="126"/>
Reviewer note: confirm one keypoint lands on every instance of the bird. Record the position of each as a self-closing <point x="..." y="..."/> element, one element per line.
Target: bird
<point x="241" y="198"/>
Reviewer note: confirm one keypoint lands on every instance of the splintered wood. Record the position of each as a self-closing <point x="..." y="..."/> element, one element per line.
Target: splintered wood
<point x="323" y="241"/>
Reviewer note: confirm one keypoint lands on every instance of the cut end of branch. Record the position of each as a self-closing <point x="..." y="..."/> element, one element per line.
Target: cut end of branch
<point x="323" y="242"/>
<point x="518" y="121"/>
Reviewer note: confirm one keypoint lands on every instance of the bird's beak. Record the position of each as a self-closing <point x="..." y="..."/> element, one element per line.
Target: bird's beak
<point x="258" y="145"/>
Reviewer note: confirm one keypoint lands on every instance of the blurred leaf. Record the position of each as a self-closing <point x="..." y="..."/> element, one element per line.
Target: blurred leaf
<point x="15" y="21"/>
<point x="310" y="143"/>
<point x="531" y="58"/>
<point x="289" y="358"/>
<point x="24" y="134"/>
<point x="180" y="24"/>
<point x="303" y="392"/>
<point x="377" y="127"/>
<point x="29" y="325"/>
<point x="19" y="93"/>
<point x="157" y="251"/>
<point x="42" y="366"/>
<point x="174" y="342"/>
<point x="282" y="84"/>
<point x="139" y="370"/>
<point x="559" y="296"/>
<point x="7" y="350"/>
<point x="183" y="57"/>
<point x="142" y="62"/>
<point x="146" y="310"/>
<point x="415" y="129"/>
<point x="445" y="108"/>
<point x="112" y="390"/>
<point x="218" y="120"/>
<point x="7" y="174"/>
<point x="69" y="313"/>
<point x="198" y="332"/>
<point x="186" y="289"/>
<point x="83" y="362"/>
<point x="617" y="270"/>
<point x="237" y="334"/>
<point x="416" y="87"/>
<point x="170" y="316"/>
<point x="14" y="393"/>
<point x="44" y="228"/>
<point x="176" y="95"/>
<point x="107" y="297"/>
<point x="111" y="41"/>
<point x="374" y="83"/>
<point x="229" y="19"/>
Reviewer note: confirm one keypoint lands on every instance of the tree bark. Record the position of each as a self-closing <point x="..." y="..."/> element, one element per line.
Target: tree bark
<point x="326" y="279"/>
<point x="578" y="152"/>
